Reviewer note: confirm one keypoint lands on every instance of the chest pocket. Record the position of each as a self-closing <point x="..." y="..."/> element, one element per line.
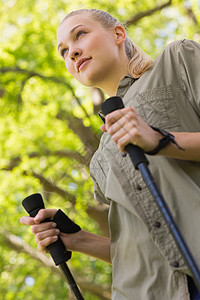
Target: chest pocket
<point x="157" y="107"/>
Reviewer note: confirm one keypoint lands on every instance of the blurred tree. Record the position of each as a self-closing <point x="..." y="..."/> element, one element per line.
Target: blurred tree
<point x="49" y="131"/>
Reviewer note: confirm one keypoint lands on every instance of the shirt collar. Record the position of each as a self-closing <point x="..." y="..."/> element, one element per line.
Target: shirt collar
<point x="124" y="85"/>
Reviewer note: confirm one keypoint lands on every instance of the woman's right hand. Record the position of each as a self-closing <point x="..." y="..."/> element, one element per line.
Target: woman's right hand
<point x="81" y="241"/>
<point x="45" y="233"/>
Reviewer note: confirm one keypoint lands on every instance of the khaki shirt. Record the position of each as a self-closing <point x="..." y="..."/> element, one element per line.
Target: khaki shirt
<point x="147" y="264"/>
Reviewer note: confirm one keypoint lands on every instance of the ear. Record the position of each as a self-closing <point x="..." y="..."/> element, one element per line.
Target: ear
<point x="120" y="34"/>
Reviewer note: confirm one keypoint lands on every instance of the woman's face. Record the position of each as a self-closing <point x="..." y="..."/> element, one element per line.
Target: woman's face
<point x="90" y="51"/>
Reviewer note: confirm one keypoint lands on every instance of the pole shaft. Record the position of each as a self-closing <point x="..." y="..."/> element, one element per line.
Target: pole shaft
<point x="71" y="282"/>
<point x="149" y="180"/>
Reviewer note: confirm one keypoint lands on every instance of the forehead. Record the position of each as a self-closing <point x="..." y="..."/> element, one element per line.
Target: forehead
<point x="70" y="24"/>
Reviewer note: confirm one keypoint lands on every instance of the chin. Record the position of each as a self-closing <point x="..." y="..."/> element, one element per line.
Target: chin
<point x="91" y="78"/>
<point x="89" y="82"/>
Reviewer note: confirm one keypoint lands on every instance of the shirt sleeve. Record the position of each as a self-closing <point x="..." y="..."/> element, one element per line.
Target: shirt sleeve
<point x="189" y="67"/>
<point x="98" y="195"/>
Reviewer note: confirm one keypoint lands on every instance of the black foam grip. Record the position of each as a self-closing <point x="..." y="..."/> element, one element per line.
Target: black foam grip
<point x="64" y="223"/>
<point x="111" y="104"/>
<point x="32" y="205"/>
<point x="136" y="153"/>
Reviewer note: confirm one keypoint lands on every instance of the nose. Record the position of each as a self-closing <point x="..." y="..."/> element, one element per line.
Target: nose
<point x="75" y="53"/>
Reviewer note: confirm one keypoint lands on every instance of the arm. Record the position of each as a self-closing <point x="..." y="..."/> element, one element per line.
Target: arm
<point x="126" y="126"/>
<point x="81" y="241"/>
<point x="88" y="243"/>
<point x="189" y="141"/>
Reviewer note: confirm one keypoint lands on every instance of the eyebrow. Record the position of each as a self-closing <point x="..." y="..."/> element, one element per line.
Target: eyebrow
<point x="71" y="31"/>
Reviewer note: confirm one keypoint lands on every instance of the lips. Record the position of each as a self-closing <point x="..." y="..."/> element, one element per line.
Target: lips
<point x="81" y="62"/>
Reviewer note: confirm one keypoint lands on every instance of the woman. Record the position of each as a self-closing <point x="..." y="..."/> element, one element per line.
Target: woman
<point x="164" y="94"/>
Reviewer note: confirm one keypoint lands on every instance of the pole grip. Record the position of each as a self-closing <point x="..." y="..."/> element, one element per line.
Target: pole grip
<point x="32" y="204"/>
<point x="136" y="154"/>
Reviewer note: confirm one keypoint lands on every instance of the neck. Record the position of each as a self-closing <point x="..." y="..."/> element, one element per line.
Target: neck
<point x="110" y="85"/>
<point x="111" y="89"/>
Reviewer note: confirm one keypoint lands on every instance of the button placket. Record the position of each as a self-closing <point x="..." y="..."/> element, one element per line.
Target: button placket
<point x="175" y="264"/>
<point x="157" y="224"/>
<point x="138" y="187"/>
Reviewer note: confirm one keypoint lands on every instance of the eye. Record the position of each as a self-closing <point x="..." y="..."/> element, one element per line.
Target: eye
<point x="79" y="33"/>
<point x="63" y="52"/>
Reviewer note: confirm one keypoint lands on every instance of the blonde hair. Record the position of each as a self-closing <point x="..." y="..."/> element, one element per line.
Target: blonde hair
<point x="139" y="61"/>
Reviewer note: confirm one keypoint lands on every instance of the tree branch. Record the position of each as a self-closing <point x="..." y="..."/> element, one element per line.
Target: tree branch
<point x="146" y="13"/>
<point x="89" y="139"/>
<point x="191" y="15"/>
<point x="32" y="74"/>
<point x="51" y="187"/>
<point x="87" y="136"/>
<point x="19" y="245"/>
<point x="23" y="83"/>
<point x="15" y="161"/>
<point x="52" y="78"/>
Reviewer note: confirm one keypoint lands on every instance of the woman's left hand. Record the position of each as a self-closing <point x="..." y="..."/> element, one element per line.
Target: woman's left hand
<point x="126" y="126"/>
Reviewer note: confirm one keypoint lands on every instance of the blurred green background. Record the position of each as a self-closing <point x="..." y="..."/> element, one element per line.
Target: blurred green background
<point x="49" y="130"/>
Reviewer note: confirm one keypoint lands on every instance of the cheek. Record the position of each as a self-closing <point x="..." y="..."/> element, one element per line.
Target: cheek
<point x="91" y="45"/>
<point x="69" y="66"/>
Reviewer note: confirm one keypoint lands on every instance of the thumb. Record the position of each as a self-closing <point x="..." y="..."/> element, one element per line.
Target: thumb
<point x="43" y="214"/>
<point x="103" y="128"/>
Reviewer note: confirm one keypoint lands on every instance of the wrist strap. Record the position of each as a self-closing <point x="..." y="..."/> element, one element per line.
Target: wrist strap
<point x="64" y="223"/>
<point x="168" y="138"/>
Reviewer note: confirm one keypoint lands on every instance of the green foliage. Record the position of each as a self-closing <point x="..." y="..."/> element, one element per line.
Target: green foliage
<point x="48" y="130"/>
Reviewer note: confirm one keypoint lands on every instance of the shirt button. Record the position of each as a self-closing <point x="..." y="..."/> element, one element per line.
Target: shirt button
<point x="175" y="264"/>
<point x="124" y="154"/>
<point x="157" y="224"/>
<point x="138" y="187"/>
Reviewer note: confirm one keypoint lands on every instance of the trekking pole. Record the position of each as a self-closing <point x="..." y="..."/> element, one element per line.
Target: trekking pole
<point x="60" y="255"/>
<point x="140" y="162"/>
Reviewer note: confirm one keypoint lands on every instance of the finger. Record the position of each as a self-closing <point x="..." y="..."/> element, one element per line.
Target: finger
<point x="45" y="234"/>
<point x="131" y="137"/>
<point x="113" y="117"/>
<point x="122" y="143"/>
<point x="44" y="214"/>
<point x="103" y="128"/>
<point x="129" y="119"/>
<point x="116" y="126"/>
<point x="46" y="242"/>
<point x="25" y="220"/>
<point x="118" y="114"/>
<point x="42" y="227"/>
<point x="128" y="129"/>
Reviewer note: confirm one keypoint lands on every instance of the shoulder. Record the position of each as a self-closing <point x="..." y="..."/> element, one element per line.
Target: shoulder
<point x="184" y="45"/>
<point x="178" y="52"/>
